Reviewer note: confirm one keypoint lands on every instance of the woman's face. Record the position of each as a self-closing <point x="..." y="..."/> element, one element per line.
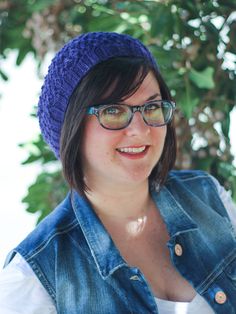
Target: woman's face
<point x="123" y="156"/>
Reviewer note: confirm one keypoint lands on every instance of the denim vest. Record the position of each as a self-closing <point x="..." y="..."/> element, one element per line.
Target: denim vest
<point x="82" y="270"/>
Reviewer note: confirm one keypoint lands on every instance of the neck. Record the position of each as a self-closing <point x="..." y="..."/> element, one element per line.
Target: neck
<point x="120" y="202"/>
<point x="124" y="211"/>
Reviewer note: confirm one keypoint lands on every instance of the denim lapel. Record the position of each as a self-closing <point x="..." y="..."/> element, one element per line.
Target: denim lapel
<point x="106" y="256"/>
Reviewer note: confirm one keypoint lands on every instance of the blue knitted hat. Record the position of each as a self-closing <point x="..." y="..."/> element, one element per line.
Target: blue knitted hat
<point x="68" y="68"/>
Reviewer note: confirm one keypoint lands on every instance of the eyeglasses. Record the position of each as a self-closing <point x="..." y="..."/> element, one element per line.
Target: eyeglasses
<point x="118" y="116"/>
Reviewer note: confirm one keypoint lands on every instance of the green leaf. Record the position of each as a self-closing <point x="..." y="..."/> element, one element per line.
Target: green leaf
<point x="3" y="76"/>
<point x="158" y="18"/>
<point x="36" y="6"/>
<point x="232" y="181"/>
<point x="203" y="163"/>
<point x="24" y="49"/>
<point x="226" y="125"/>
<point x="203" y="79"/>
<point x="165" y="57"/>
<point x="104" y="9"/>
<point x="107" y="22"/>
<point x="188" y="101"/>
<point x="31" y="158"/>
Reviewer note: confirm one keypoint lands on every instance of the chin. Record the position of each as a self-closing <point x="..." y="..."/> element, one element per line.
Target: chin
<point x="138" y="177"/>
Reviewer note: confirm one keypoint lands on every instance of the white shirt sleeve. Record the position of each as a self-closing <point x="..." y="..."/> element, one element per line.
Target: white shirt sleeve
<point x="21" y="292"/>
<point x="227" y="201"/>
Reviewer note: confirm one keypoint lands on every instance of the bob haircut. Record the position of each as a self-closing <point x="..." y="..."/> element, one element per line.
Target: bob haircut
<point x="110" y="81"/>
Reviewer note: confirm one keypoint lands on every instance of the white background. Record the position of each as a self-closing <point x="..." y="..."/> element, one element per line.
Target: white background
<point x="19" y="95"/>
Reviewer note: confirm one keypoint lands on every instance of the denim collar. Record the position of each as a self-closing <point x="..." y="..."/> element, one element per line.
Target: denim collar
<point x="175" y="217"/>
<point x="106" y="256"/>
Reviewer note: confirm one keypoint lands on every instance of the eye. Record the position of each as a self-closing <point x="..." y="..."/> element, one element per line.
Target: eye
<point x="153" y="106"/>
<point x="113" y="110"/>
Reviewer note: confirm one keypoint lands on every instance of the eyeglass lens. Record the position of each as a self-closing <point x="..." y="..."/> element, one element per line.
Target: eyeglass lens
<point x="119" y="116"/>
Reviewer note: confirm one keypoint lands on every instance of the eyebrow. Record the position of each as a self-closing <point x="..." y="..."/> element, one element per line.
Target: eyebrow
<point x="149" y="98"/>
<point x="153" y="96"/>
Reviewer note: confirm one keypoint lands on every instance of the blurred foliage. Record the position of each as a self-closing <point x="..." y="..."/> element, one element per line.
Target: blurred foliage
<point x="194" y="43"/>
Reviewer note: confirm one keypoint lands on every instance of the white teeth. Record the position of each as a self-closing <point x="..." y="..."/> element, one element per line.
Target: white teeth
<point x="132" y="149"/>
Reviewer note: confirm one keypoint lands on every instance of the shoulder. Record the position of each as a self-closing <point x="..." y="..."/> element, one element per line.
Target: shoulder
<point x="199" y="187"/>
<point x="194" y="186"/>
<point x="58" y="223"/>
<point x="191" y="178"/>
<point x="184" y="175"/>
<point x="54" y="234"/>
<point x="21" y="291"/>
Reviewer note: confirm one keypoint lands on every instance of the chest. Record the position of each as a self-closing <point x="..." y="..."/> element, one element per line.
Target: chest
<point x="152" y="257"/>
<point x="149" y="253"/>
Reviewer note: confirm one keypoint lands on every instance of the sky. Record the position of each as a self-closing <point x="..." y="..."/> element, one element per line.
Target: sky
<point x="19" y="95"/>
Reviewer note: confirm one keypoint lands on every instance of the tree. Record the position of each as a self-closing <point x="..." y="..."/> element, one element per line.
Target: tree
<point x="193" y="42"/>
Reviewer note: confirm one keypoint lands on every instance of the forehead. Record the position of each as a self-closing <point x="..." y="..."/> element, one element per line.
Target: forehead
<point x="147" y="89"/>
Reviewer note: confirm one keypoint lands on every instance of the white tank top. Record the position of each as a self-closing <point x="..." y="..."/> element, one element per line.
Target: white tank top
<point x="196" y="306"/>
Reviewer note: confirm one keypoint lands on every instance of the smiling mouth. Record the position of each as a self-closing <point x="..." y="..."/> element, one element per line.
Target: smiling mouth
<point x="132" y="150"/>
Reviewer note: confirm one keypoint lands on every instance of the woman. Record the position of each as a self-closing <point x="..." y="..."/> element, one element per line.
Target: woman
<point x="132" y="236"/>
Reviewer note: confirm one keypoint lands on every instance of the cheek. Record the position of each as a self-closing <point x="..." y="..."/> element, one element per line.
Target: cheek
<point x="89" y="141"/>
<point x="98" y="142"/>
<point x="160" y="134"/>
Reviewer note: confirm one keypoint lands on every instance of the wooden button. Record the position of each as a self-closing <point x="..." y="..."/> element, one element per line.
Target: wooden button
<point x="178" y="250"/>
<point x="220" y="297"/>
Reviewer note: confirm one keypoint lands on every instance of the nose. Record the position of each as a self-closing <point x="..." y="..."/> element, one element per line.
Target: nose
<point x="137" y="126"/>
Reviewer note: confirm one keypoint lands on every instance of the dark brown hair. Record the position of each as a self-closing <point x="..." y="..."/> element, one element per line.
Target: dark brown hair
<point x="110" y="81"/>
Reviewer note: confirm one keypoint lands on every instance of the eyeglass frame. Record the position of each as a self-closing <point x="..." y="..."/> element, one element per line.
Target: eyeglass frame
<point x="95" y="109"/>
